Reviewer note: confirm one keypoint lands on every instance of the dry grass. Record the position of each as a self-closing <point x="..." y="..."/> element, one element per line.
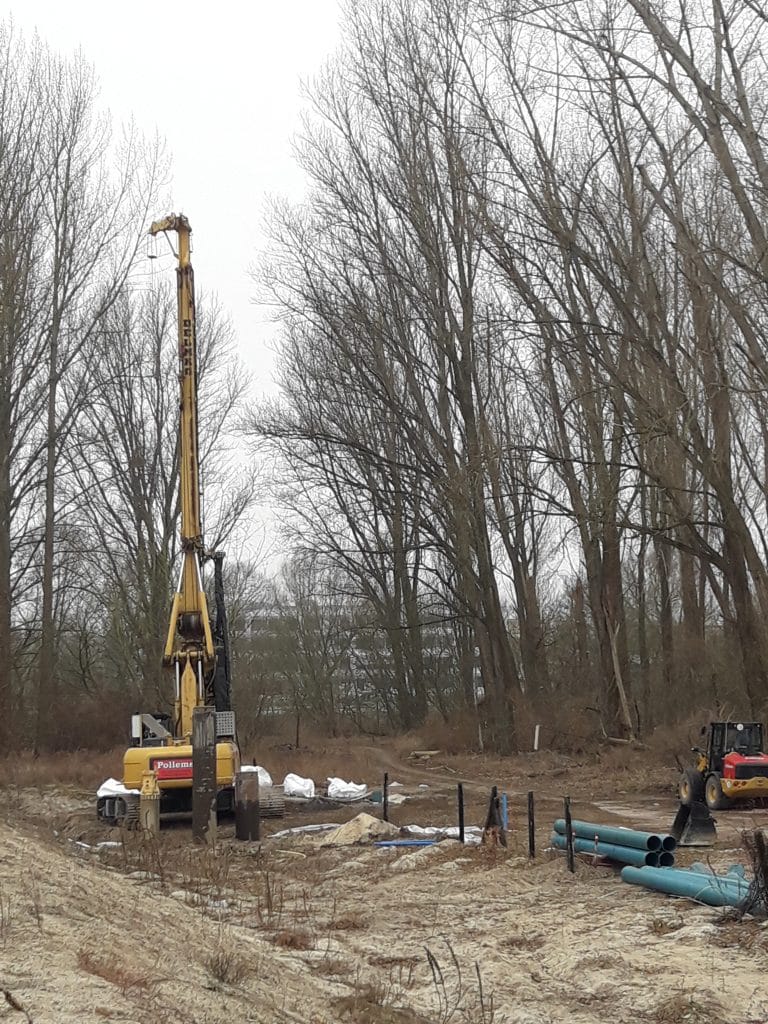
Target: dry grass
<point x="486" y="858"/>
<point x="270" y="901"/>
<point x="382" y="960"/>
<point x="599" y="962"/>
<point x="85" y="769"/>
<point x="372" y="1002"/>
<point x="522" y="941"/>
<point x="204" y="871"/>
<point x="685" y="1008"/>
<point x="227" y="965"/>
<point x="128" y="980"/>
<point x="293" y="938"/>
<point x="318" y="758"/>
<point x="331" y="967"/>
<point x="150" y="854"/>
<point x="664" y="925"/>
<point x="741" y="933"/>
<point x="350" y="921"/>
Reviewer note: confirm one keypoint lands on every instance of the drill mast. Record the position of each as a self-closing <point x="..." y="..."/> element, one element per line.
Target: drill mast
<point x="189" y="648"/>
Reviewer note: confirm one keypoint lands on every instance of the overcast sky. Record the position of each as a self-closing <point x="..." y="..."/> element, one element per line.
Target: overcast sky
<point x="221" y="83"/>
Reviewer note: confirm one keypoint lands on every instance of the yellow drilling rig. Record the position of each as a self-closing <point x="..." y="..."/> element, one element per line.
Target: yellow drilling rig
<point x="195" y="653"/>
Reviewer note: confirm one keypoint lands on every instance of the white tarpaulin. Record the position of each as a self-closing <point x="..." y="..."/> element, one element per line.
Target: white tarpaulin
<point x="338" y="789"/>
<point x="265" y="779"/>
<point x="294" y="785"/>
<point x="472" y="833"/>
<point x="114" y="788"/>
<point x="301" y="830"/>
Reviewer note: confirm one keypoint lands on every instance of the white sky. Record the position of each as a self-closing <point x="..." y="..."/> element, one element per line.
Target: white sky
<point x="221" y="83"/>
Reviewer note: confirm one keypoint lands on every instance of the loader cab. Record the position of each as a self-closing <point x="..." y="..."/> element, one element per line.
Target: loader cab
<point x="745" y="738"/>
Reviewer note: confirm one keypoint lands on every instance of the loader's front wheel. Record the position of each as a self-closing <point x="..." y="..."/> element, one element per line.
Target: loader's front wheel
<point x="691" y="787"/>
<point x="713" y="792"/>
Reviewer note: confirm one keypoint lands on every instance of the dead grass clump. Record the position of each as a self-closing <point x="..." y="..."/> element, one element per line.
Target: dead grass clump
<point x="126" y="979"/>
<point x="522" y="941"/>
<point x="599" y="962"/>
<point x="331" y="967"/>
<point x="350" y="921"/>
<point x="226" y="965"/>
<point x="665" y="925"/>
<point x="685" y="1008"/>
<point x="371" y="1002"/>
<point x="485" y="858"/>
<point x="381" y="960"/>
<point x="740" y="933"/>
<point x="293" y="938"/>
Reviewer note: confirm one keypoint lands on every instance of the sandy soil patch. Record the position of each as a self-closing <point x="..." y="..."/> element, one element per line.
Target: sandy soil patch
<point x="154" y="931"/>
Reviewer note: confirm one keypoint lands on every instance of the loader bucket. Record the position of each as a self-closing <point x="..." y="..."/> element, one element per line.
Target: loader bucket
<point x="694" y="825"/>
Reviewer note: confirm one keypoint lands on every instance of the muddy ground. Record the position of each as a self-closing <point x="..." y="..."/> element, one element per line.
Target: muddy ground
<point x="288" y="930"/>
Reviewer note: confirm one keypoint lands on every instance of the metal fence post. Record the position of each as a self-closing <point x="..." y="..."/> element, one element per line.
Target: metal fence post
<point x="204" y="775"/>
<point x="247" y="808"/>
<point x="531" y="826"/>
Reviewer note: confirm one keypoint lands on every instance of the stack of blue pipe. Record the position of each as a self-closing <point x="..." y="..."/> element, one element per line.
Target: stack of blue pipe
<point x="623" y="845"/>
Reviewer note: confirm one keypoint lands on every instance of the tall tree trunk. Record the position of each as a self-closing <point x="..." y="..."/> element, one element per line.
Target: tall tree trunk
<point x="46" y="684"/>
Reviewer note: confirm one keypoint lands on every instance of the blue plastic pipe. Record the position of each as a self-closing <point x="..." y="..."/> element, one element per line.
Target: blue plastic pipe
<point x="619" y="836"/>
<point x="621" y="854"/>
<point x="405" y="842"/>
<point x="714" y="890"/>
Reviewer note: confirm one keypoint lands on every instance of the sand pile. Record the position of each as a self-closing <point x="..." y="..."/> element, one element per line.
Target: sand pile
<point x="362" y="829"/>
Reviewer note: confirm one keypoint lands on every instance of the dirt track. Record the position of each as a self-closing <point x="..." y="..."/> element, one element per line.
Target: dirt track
<point x="298" y="932"/>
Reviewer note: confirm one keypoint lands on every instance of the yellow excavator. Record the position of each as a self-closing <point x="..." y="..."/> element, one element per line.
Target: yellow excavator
<point x="196" y="653"/>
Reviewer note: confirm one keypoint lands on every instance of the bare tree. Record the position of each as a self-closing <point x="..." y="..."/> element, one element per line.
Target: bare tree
<point x="96" y="198"/>
<point x="123" y="473"/>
